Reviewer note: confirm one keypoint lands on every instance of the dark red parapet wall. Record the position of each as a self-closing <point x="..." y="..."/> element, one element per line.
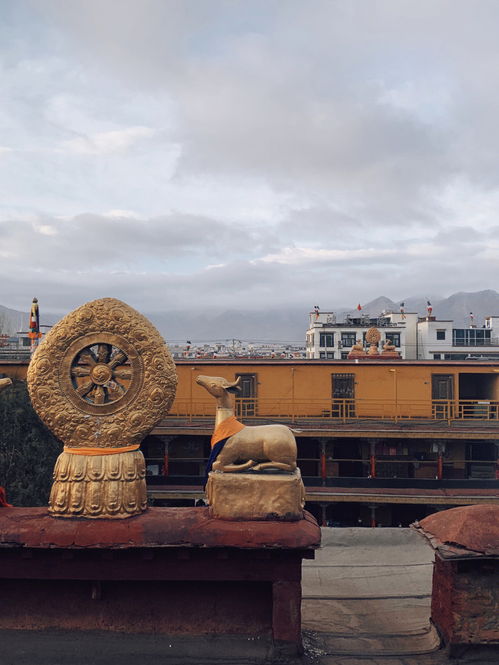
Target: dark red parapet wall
<point x="465" y="595"/>
<point x="157" y="527"/>
<point x="171" y="572"/>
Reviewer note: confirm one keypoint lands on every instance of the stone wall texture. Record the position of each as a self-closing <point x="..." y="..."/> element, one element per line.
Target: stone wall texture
<point x="465" y="602"/>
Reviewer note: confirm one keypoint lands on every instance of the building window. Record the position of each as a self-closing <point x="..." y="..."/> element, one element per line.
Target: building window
<point x="393" y="338"/>
<point x="348" y="339"/>
<point x="344" y="355"/>
<point x="245" y="402"/>
<point x="326" y="339"/>
<point x="322" y="355"/>
<point x="330" y="355"/>
<point x="471" y="337"/>
<point x="441" y="334"/>
<point x="437" y="356"/>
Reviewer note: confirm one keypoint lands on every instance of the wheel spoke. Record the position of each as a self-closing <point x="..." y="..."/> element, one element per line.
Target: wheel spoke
<point x="103" y="352"/>
<point x="114" y="390"/>
<point x="99" y="395"/>
<point x="125" y="374"/>
<point x="80" y="371"/>
<point x="96" y="383"/>
<point x="87" y="357"/>
<point x="118" y="359"/>
<point x="85" y="388"/>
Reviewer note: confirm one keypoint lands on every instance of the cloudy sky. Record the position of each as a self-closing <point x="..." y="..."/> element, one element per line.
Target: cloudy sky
<point x="249" y="154"/>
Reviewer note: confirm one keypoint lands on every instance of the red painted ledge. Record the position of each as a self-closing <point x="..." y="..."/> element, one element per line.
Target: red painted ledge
<point x="157" y="527"/>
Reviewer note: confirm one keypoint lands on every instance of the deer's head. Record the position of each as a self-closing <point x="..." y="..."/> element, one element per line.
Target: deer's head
<point x="218" y="386"/>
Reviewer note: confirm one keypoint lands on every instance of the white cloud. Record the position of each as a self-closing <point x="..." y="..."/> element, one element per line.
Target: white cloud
<point x="119" y="214"/>
<point x="45" y="229"/>
<point x="105" y="143"/>
<point x="202" y="151"/>
<point x="302" y="255"/>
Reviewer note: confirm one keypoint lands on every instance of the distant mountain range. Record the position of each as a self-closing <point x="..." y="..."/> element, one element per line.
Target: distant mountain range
<point x="282" y="324"/>
<point x="12" y="321"/>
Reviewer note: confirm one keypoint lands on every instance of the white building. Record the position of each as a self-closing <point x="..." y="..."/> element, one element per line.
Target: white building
<point x="440" y="340"/>
<point x="329" y="339"/>
<point x="414" y="337"/>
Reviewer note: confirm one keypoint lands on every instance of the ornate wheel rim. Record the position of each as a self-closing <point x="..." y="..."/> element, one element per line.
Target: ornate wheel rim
<point x="101" y="373"/>
<point x="102" y="377"/>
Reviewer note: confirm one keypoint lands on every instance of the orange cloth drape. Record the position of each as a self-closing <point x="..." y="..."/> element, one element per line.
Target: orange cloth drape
<point x="100" y="451"/>
<point x="227" y="428"/>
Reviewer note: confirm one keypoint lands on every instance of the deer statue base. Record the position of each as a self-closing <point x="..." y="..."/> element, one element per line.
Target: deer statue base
<point x="256" y="496"/>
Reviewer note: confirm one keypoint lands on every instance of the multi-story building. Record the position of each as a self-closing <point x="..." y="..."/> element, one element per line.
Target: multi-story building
<point x="380" y="441"/>
<point x="421" y="338"/>
<point x="329" y="339"/>
<point x="441" y="340"/>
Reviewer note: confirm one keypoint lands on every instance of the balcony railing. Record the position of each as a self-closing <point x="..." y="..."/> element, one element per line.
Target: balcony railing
<point x="387" y="468"/>
<point x="21" y="353"/>
<point x="494" y="341"/>
<point x="303" y="410"/>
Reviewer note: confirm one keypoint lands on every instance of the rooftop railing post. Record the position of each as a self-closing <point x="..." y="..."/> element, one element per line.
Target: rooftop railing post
<point x="190" y="395"/>
<point x="323" y="462"/>
<point x="440" y="460"/>
<point x="394" y="372"/>
<point x="372" y="458"/>
<point x="166" y="457"/>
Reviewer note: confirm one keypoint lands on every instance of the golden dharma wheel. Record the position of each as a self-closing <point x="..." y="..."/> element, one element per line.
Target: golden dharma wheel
<point x="101" y="380"/>
<point x="373" y="336"/>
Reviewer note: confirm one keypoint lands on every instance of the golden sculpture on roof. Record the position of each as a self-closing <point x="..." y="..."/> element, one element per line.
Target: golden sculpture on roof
<point x="373" y="336"/>
<point x="100" y="380"/>
<point x="233" y="489"/>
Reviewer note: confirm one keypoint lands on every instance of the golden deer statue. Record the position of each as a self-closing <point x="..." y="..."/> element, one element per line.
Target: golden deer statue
<point x="256" y="448"/>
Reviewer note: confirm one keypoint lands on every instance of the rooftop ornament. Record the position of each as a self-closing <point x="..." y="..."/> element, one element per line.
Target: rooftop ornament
<point x="373" y="337"/>
<point x="100" y="381"/>
<point x="272" y="487"/>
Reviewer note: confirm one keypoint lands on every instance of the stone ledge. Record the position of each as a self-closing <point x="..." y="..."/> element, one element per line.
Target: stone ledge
<point x="156" y="528"/>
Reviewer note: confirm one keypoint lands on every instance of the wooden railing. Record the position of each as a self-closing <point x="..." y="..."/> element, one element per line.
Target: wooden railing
<point x="22" y="353"/>
<point x="284" y="408"/>
<point x="386" y="467"/>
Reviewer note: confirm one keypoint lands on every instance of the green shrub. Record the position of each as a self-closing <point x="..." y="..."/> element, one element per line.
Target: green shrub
<point x="27" y="449"/>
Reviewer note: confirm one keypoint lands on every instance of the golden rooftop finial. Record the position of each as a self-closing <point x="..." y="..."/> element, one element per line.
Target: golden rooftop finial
<point x="100" y="380"/>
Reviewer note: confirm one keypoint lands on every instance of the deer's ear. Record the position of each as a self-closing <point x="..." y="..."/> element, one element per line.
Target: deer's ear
<point x="233" y="389"/>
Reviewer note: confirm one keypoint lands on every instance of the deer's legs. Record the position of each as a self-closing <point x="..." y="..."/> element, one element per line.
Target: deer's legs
<point x="228" y="468"/>
<point x="275" y="465"/>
